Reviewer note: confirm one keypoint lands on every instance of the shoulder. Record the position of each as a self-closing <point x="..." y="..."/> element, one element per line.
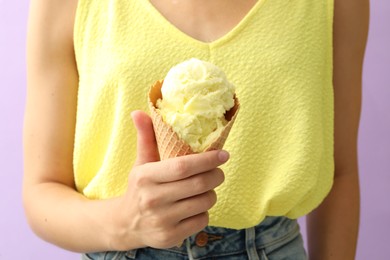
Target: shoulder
<point x="52" y="21"/>
<point x="351" y="25"/>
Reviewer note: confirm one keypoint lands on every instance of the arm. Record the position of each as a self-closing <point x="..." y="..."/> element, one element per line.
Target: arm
<point x="168" y="199"/>
<point x="333" y="227"/>
<point x="55" y="211"/>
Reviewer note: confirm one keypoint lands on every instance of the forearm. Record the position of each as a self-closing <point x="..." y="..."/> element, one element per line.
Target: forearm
<point x="333" y="227"/>
<point x="62" y="216"/>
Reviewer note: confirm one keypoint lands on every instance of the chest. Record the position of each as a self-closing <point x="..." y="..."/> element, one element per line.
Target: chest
<point x="204" y="20"/>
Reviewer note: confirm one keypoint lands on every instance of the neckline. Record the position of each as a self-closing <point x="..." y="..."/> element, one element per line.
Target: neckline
<point x="162" y="20"/>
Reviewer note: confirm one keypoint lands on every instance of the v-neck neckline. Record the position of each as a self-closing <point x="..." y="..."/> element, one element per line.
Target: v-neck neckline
<point x="183" y="35"/>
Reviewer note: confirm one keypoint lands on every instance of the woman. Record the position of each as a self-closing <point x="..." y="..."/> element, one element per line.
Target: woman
<point x="94" y="183"/>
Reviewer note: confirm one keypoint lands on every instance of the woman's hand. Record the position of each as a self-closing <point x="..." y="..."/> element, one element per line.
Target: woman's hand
<point x="166" y="201"/>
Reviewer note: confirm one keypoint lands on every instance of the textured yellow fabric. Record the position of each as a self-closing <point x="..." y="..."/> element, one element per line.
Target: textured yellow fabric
<point x="280" y="59"/>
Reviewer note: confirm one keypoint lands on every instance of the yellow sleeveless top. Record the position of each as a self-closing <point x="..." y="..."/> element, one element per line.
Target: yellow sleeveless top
<point x="279" y="57"/>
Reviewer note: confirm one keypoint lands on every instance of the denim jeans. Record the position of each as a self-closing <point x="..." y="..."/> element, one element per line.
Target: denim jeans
<point x="276" y="238"/>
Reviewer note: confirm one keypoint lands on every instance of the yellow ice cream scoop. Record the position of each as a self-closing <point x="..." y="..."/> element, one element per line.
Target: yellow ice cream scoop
<point x="195" y="97"/>
<point x="193" y="109"/>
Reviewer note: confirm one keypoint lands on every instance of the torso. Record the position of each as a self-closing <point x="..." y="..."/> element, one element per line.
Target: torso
<point x="277" y="53"/>
<point x="204" y="20"/>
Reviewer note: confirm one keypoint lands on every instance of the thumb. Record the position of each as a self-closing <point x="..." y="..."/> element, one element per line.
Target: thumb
<point x="147" y="150"/>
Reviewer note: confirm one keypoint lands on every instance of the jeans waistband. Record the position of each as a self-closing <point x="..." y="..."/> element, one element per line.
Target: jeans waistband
<point x="271" y="234"/>
<point x="224" y="241"/>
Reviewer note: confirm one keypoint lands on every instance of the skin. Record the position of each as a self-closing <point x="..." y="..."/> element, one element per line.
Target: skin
<point x="333" y="227"/>
<point x="157" y="203"/>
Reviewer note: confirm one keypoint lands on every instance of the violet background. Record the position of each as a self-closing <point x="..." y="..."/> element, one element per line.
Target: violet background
<point x="17" y="240"/>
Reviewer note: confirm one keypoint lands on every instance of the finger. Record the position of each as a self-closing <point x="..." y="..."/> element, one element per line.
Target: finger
<point x="193" y="206"/>
<point x="192" y="186"/>
<point x="147" y="150"/>
<point x="192" y="225"/>
<point x="179" y="168"/>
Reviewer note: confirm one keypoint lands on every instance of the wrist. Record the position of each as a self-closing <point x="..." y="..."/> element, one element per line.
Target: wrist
<point x="120" y="232"/>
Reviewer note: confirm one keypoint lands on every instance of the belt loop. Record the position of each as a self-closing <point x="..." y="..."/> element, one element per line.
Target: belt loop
<point x="188" y="246"/>
<point x="250" y="236"/>
<point x="131" y="254"/>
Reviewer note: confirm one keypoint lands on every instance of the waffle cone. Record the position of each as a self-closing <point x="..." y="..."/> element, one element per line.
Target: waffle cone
<point x="169" y="143"/>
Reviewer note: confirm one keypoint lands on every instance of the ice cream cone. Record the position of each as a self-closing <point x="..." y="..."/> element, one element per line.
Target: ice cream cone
<point x="169" y="143"/>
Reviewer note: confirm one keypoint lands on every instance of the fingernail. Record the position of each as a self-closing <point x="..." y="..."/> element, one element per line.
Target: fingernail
<point x="223" y="156"/>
